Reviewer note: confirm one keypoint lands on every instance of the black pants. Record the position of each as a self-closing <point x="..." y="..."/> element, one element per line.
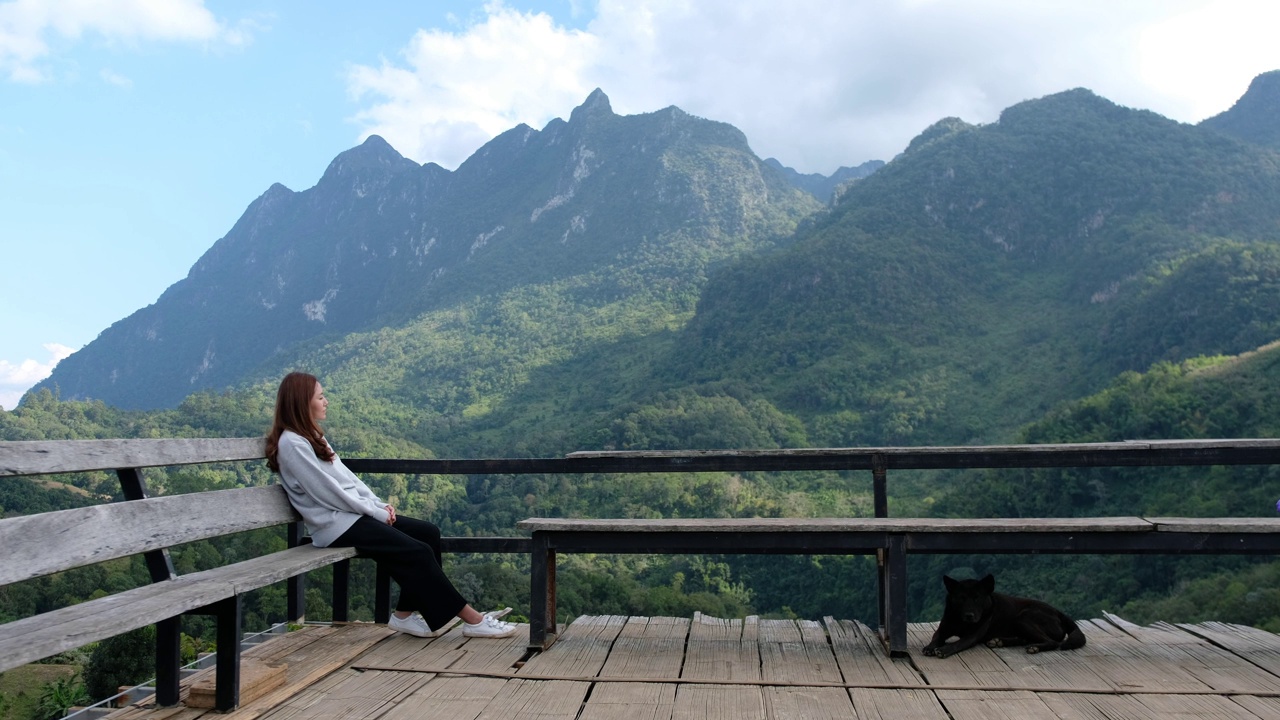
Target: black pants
<point x="410" y="553"/>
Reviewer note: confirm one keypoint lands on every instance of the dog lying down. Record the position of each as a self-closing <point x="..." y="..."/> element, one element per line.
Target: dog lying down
<point x="976" y="613"/>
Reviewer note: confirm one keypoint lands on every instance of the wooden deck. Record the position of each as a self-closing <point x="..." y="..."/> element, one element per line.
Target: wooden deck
<point x="637" y="668"/>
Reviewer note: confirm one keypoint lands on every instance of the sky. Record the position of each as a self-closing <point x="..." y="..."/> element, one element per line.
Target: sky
<point x="134" y="133"/>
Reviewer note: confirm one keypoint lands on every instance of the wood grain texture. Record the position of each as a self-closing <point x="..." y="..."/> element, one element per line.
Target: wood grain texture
<point x="775" y="524"/>
<point x="36" y="457"/>
<point x="40" y="636"/>
<point x="51" y="542"/>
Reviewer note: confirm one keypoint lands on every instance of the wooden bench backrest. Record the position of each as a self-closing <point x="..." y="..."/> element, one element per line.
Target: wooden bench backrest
<point x="36" y="545"/>
<point x="44" y="457"/>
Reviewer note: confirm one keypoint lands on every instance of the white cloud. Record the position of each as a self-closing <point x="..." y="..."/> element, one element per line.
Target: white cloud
<point x="815" y="83"/>
<point x="33" y="30"/>
<point x="16" y="379"/>
<point x="113" y="78"/>
<point x="456" y="91"/>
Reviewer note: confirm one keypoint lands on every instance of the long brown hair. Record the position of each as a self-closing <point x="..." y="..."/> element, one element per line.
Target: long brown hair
<point x="293" y="412"/>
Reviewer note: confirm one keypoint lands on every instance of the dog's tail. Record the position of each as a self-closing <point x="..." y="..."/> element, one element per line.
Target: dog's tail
<point x="1075" y="636"/>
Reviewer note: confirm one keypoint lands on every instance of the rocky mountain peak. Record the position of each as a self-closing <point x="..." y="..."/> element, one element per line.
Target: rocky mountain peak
<point x="373" y="155"/>
<point x="596" y="105"/>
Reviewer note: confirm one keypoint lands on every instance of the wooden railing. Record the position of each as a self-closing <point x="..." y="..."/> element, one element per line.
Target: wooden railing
<point x="128" y="458"/>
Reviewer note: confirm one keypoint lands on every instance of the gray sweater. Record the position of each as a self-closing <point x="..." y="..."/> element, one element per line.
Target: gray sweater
<point x="329" y="497"/>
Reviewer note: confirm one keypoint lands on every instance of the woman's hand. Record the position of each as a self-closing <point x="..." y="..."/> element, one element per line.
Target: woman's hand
<point x="391" y="512"/>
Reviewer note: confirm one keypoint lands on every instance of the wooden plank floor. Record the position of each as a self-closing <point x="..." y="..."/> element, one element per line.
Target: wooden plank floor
<point x="638" y="668"/>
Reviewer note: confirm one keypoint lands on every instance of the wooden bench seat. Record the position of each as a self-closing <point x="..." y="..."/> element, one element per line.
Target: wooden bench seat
<point x="50" y="633"/>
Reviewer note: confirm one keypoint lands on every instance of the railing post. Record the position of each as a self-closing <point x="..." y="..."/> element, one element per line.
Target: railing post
<point x="880" y="483"/>
<point x="880" y="493"/>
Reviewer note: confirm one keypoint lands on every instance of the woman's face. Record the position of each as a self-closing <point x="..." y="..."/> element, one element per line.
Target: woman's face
<point x="319" y="404"/>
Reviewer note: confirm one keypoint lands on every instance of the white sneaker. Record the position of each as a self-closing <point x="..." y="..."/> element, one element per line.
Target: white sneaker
<point x="413" y="625"/>
<point x="490" y="626"/>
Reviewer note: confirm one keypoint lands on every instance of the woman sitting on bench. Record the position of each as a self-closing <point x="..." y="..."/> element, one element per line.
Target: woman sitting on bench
<point x="341" y="511"/>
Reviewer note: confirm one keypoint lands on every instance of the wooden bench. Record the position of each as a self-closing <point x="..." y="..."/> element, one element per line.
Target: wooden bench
<point x="890" y="539"/>
<point x="46" y="543"/>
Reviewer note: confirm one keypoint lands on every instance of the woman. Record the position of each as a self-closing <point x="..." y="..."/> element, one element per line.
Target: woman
<point x="341" y="511"/>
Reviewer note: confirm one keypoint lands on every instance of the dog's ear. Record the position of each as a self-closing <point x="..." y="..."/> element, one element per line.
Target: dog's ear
<point x="949" y="582"/>
<point x="988" y="583"/>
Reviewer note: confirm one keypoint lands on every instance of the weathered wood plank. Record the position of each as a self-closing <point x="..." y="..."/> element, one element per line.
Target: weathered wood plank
<point x="582" y="649"/>
<point x="774" y="524"/>
<point x="491" y="654"/>
<point x="861" y="655"/>
<point x="39" y="636"/>
<point x="350" y="695"/>
<point x="1145" y="707"/>
<point x="813" y="703"/>
<point x="314" y="656"/>
<point x="64" y="539"/>
<point x="878" y="704"/>
<point x="448" y="698"/>
<point x="991" y="705"/>
<point x="719" y="702"/>
<point x="36" y="457"/>
<point x="1258" y="647"/>
<point x="1038" y="449"/>
<point x="319" y="661"/>
<point x="1217" y="525"/>
<point x="540" y="699"/>
<point x="1216" y="667"/>
<point x="630" y="701"/>
<point x="648" y="648"/>
<point x="1266" y="708"/>
<point x="721" y="649"/>
<point x="796" y="651"/>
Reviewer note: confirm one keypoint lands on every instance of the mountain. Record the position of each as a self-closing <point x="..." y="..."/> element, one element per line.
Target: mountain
<point x="646" y="282"/>
<point x="619" y="206"/>
<point x="989" y="273"/>
<point x="824" y="187"/>
<point x="984" y="276"/>
<point x="1255" y="117"/>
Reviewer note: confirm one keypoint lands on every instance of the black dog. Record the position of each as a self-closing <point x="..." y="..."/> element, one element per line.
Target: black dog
<point x="976" y="613"/>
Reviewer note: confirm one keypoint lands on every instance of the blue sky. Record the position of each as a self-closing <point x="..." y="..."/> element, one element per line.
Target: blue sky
<point x="133" y="133"/>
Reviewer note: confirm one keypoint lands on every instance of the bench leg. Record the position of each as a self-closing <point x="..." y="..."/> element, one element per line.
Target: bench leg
<point x="896" y="589"/>
<point x="882" y="590"/>
<point x="227" y="675"/>
<point x="542" y="593"/>
<point x="382" y="596"/>
<point x="341" y="590"/>
<point x="296" y="586"/>
<point x="168" y="661"/>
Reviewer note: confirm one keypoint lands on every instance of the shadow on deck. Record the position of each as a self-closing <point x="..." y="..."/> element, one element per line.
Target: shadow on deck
<point x="612" y="667"/>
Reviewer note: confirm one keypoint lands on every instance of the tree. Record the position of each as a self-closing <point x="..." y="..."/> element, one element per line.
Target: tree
<point x="123" y="660"/>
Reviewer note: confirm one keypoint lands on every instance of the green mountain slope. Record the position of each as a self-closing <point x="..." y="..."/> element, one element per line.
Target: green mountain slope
<point x="1253" y="117"/>
<point x="991" y="272"/>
